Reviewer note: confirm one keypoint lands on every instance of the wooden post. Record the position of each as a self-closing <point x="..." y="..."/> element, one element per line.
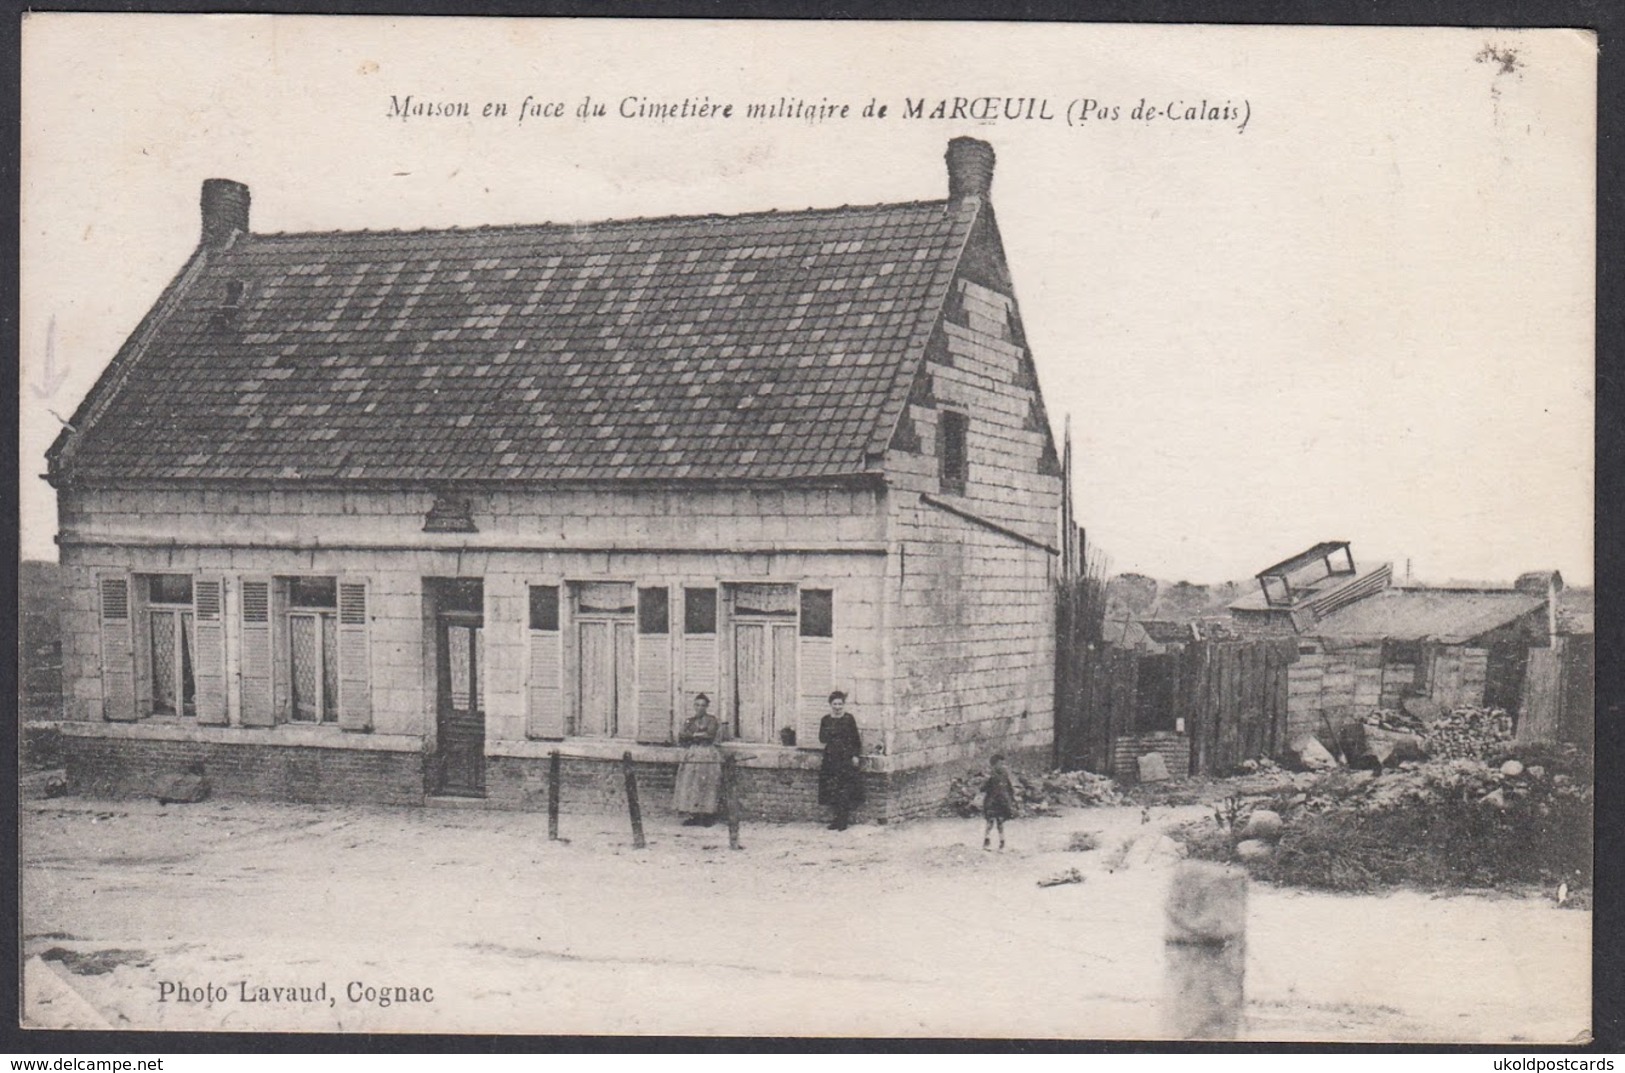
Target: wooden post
<point x="632" y="801"/>
<point x="1206" y="950"/>
<point x="730" y="803"/>
<point x="553" y="766"/>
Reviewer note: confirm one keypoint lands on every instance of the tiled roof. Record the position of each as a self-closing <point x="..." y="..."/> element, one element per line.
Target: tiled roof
<point x="1450" y="616"/>
<point x="763" y="347"/>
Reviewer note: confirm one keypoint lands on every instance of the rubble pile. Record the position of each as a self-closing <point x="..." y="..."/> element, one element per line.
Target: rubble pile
<point x="1468" y="733"/>
<point x="1521" y="814"/>
<point x="1035" y="795"/>
<point x="1395" y="721"/>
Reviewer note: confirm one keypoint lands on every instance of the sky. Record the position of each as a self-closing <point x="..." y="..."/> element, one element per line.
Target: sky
<point x="1357" y="304"/>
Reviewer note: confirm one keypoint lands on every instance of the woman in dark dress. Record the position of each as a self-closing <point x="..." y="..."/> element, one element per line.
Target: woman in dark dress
<point x="840" y="782"/>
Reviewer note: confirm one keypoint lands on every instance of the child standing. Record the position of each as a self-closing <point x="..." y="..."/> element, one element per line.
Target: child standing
<point x="998" y="801"/>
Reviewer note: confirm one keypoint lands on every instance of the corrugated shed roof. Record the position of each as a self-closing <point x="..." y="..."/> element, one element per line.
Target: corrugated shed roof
<point x="769" y="346"/>
<point x="1443" y="615"/>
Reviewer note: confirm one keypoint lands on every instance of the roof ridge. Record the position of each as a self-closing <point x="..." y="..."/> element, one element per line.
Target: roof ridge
<point x="611" y="222"/>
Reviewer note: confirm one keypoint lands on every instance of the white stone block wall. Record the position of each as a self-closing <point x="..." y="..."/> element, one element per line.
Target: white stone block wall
<point x="973" y="629"/>
<point x="830" y="539"/>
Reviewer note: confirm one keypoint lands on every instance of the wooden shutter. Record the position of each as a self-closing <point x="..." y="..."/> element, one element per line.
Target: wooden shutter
<point x="700" y="668"/>
<point x="141" y="651"/>
<point x="654" y="688"/>
<point x="623" y="721"/>
<point x="545" y="688"/>
<point x="817" y="679"/>
<point x="256" y="658"/>
<point x="784" y="682"/>
<point x="355" y="658"/>
<point x="816" y="649"/>
<point x="209" y="659"/>
<point x="118" y="650"/>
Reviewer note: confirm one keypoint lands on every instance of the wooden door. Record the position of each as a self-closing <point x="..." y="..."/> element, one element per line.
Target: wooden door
<point x="461" y="753"/>
<point x="607" y="701"/>
<point x="764" y="678"/>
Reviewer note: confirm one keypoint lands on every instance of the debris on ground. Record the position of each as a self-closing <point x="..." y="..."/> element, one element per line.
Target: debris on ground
<point x="1144" y="851"/>
<point x="1071" y="875"/>
<point x="1153" y="768"/>
<point x="1035" y="795"/>
<point x="1083" y="841"/>
<point x="187" y="788"/>
<point x="1461" y="821"/>
<point x="1311" y="754"/>
<point x="37" y="785"/>
<point x="95" y="963"/>
<point x="1468" y="733"/>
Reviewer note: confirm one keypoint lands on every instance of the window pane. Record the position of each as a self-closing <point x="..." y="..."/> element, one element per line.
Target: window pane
<point x="817" y="613"/>
<point x="699" y="610"/>
<point x="653" y="611"/>
<point x="163" y="662"/>
<point x="188" y="684"/>
<point x="544" y="607"/>
<point x="462" y="594"/>
<point x="330" y="669"/>
<point x="459" y="658"/>
<point x="313" y="592"/>
<point x="169" y="589"/>
<point x="306" y="673"/>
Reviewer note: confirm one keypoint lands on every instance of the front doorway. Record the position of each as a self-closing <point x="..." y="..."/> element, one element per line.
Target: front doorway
<point x="459" y="634"/>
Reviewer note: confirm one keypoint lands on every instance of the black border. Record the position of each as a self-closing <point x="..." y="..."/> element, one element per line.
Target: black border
<point x="1608" y="973"/>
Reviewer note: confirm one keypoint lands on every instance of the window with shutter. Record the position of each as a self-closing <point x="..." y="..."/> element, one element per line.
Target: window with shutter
<point x="700" y="646"/>
<point x="209" y="666"/>
<point x="256" y="658"/>
<point x="545" y="688"/>
<point x="355" y="657"/>
<point x="654" y="665"/>
<point x="118" y="650"/>
<point x="817" y="652"/>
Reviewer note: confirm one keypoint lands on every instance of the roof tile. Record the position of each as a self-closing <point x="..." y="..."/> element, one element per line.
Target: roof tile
<point x="758" y="346"/>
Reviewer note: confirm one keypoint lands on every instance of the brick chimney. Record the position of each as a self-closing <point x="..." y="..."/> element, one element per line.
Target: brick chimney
<point x="225" y="211"/>
<point x="970" y="168"/>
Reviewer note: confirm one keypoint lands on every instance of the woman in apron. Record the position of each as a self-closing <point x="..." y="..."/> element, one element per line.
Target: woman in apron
<point x="699" y="775"/>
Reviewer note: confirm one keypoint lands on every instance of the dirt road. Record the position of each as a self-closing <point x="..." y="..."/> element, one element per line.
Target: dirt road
<point x="909" y="930"/>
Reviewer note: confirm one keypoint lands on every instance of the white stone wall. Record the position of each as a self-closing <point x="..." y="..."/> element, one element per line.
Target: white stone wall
<point x="817" y="538"/>
<point x="973" y="632"/>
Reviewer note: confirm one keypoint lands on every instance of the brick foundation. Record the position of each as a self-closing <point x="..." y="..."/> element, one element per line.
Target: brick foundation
<point x="128" y="767"/>
<point x="113" y="767"/>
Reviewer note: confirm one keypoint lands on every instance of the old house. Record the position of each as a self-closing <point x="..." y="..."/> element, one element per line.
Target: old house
<point x="392" y="516"/>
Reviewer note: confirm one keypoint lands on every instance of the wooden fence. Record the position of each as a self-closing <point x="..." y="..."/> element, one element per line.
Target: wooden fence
<point x="1558" y="692"/>
<point x="1229" y="699"/>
